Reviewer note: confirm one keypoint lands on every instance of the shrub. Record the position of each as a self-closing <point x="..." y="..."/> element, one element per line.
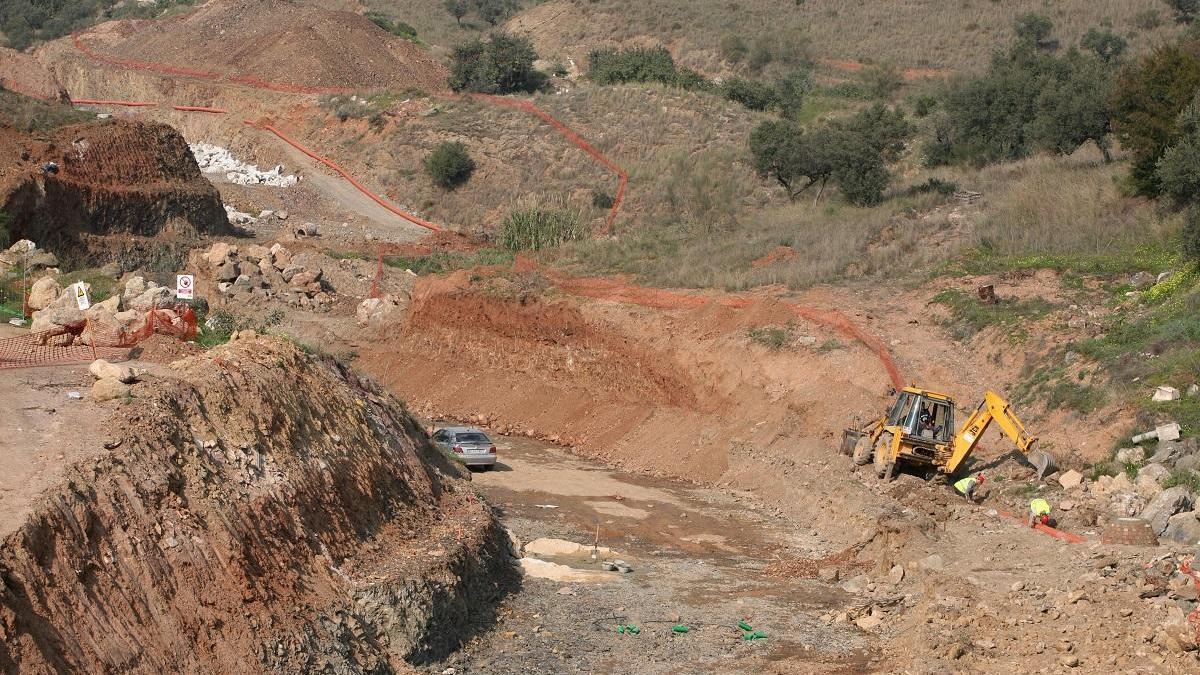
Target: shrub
<point x="1191" y="235"/>
<point x="753" y="94"/>
<point x="924" y="105"/>
<point x="1185" y="477"/>
<point x="1185" y="10"/>
<point x="457" y="9"/>
<point x="1148" y="100"/>
<point x="601" y="199"/>
<point x="449" y="165"/>
<point x="613" y="66"/>
<point x="501" y="65"/>
<point x="733" y="48"/>
<point x="1034" y="29"/>
<point x="1178" y="170"/>
<point x="1147" y="19"/>
<point x="771" y="337"/>
<point x="5" y="237"/>
<point x="537" y="228"/>
<point x="1104" y="43"/>
<point x="882" y="81"/>
<point x="398" y="28"/>
<point x="493" y="11"/>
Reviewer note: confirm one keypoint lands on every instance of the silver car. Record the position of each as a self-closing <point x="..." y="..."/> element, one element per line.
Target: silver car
<point x="468" y="445"/>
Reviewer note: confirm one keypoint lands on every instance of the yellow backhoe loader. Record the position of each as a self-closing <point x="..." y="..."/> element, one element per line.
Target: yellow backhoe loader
<point x="917" y="433"/>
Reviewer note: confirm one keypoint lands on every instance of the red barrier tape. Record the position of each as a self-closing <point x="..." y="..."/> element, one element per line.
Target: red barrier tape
<point x="201" y="74"/>
<point x="344" y="174"/>
<point x="197" y="108"/>
<point x="129" y="104"/>
<point x="1046" y="529"/>
<point x="526" y="106"/>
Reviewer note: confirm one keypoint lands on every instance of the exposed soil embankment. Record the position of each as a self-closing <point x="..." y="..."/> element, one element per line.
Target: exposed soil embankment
<point x="684" y="393"/>
<point x="260" y="510"/>
<point x="115" y="183"/>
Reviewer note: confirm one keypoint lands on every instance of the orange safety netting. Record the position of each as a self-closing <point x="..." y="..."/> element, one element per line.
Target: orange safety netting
<point x="345" y="174"/>
<point x="94" y="338"/>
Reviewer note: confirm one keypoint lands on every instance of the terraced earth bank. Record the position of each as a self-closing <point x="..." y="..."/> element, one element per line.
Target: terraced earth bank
<point x="225" y="519"/>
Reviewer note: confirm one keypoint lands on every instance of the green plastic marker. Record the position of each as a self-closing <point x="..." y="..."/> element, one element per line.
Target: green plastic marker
<point x="632" y="629"/>
<point x="680" y="628"/>
<point x="744" y="626"/>
<point x="756" y="635"/>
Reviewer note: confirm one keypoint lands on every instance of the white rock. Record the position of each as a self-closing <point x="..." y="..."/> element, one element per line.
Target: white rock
<point x="1165" y="394"/>
<point x="215" y="159"/>
<point x="43" y="293"/>
<point x="101" y="370"/>
<point x="1071" y="479"/>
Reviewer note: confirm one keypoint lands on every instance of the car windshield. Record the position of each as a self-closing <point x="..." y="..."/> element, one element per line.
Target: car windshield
<point x="472" y="437"/>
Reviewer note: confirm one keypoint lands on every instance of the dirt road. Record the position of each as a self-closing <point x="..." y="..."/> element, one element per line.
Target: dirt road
<point x="699" y="558"/>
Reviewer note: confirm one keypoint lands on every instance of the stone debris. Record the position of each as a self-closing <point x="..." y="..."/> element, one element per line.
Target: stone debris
<point x="215" y="159"/>
<point x="1070" y="480"/>
<point x="103" y="370"/>
<point x="1166" y="394"/>
<point x="26" y="254"/>
<point x="254" y="272"/>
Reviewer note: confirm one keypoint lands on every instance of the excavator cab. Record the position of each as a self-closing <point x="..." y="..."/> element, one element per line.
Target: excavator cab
<point x="918" y="432"/>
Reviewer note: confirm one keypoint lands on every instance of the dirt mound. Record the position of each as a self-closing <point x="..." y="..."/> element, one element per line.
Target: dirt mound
<point x="238" y="523"/>
<point x="128" y="180"/>
<point x="266" y="42"/>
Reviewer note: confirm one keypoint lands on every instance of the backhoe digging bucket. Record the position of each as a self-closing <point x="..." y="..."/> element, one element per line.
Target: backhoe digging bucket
<point x="849" y="438"/>
<point x="1042" y="461"/>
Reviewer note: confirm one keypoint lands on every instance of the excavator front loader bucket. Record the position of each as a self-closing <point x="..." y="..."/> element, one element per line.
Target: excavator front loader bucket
<point x="849" y="438"/>
<point x="1042" y="461"/>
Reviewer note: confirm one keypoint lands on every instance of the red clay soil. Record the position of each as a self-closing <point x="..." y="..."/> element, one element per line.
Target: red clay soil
<point x="274" y="44"/>
<point x="24" y="74"/>
<point x="775" y="255"/>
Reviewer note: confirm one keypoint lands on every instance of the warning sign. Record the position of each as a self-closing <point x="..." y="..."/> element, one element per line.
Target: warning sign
<point x="184" y="285"/>
<point x="81" y="295"/>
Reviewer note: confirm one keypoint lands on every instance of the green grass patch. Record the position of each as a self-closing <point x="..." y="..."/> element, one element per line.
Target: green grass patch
<point x="1054" y="387"/>
<point x="1155" y="257"/>
<point x="441" y="262"/>
<point x="536" y="228"/>
<point x="969" y="315"/>
<point x="772" y="337"/>
<point x="346" y="255"/>
<point x="1184" y="477"/>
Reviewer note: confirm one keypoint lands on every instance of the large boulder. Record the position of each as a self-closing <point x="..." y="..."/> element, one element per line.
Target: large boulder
<point x="43" y="293"/>
<point x="109" y="389"/>
<point x="153" y="298"/>
<point x="134" y="287"/>
<point x="1183" y="527"/>
<point x="1166" y="504"/>
<point x="1150" y="479"/>
<point x="58" y="319"/>
<point x="103" y="370"/>
<point x="379" y="312"/>
<point x="41" y="260"/>
<point x="227" y="272"/>
<point x="220" y="253"/>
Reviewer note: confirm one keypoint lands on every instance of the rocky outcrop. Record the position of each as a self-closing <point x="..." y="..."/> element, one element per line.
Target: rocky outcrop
<point x="101" y="190"/>
<point x="259" y="510"/>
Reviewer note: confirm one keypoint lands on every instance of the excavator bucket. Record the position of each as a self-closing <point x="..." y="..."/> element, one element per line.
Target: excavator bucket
<point x="849" y="439"/>
<point x="1042" y="461"/>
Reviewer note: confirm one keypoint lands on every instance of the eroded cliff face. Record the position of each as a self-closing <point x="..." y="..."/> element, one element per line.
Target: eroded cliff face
<point x="258" y="510"/>
<point x="119" y="188"/>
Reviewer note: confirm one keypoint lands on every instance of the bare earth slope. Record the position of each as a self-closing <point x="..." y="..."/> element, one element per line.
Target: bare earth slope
<point x="240" y="523"/>
<point x="276" y="41"/>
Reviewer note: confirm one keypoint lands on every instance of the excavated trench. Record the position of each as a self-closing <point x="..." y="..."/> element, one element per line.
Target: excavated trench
<point x="228" y="518"/>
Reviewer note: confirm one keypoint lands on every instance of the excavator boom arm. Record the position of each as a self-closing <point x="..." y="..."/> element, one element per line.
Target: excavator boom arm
<point x="993" y="408"/>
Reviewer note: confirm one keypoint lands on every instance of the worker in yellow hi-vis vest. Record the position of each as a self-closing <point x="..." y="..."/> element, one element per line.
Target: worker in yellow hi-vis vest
<point x="967" y="486"/>
<point x="1039" y="512"/>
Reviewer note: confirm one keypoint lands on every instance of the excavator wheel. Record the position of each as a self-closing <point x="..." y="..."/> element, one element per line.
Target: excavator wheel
<point x="890" y="472"/>
<point x="862" y="451"/>
<point x="882" y="448"/>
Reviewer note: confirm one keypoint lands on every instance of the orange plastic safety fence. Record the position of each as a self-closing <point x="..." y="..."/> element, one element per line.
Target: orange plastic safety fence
<point x="345" y="174"/>
<point x="93" y="339"/>
<point x="570" y="135"/>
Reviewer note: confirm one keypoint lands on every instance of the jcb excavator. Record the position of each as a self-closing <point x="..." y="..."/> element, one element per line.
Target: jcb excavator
<point x="917" y="432"/>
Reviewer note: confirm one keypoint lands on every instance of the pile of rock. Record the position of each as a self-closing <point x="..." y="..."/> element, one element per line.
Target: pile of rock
<point x="112" y="380"/>
<point x="57" y="313"/>
<point x="215" y="159"/>
<point x="1170" y="511"/>
<point x="255" y="272"/>
<point x="26" y="254"/>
